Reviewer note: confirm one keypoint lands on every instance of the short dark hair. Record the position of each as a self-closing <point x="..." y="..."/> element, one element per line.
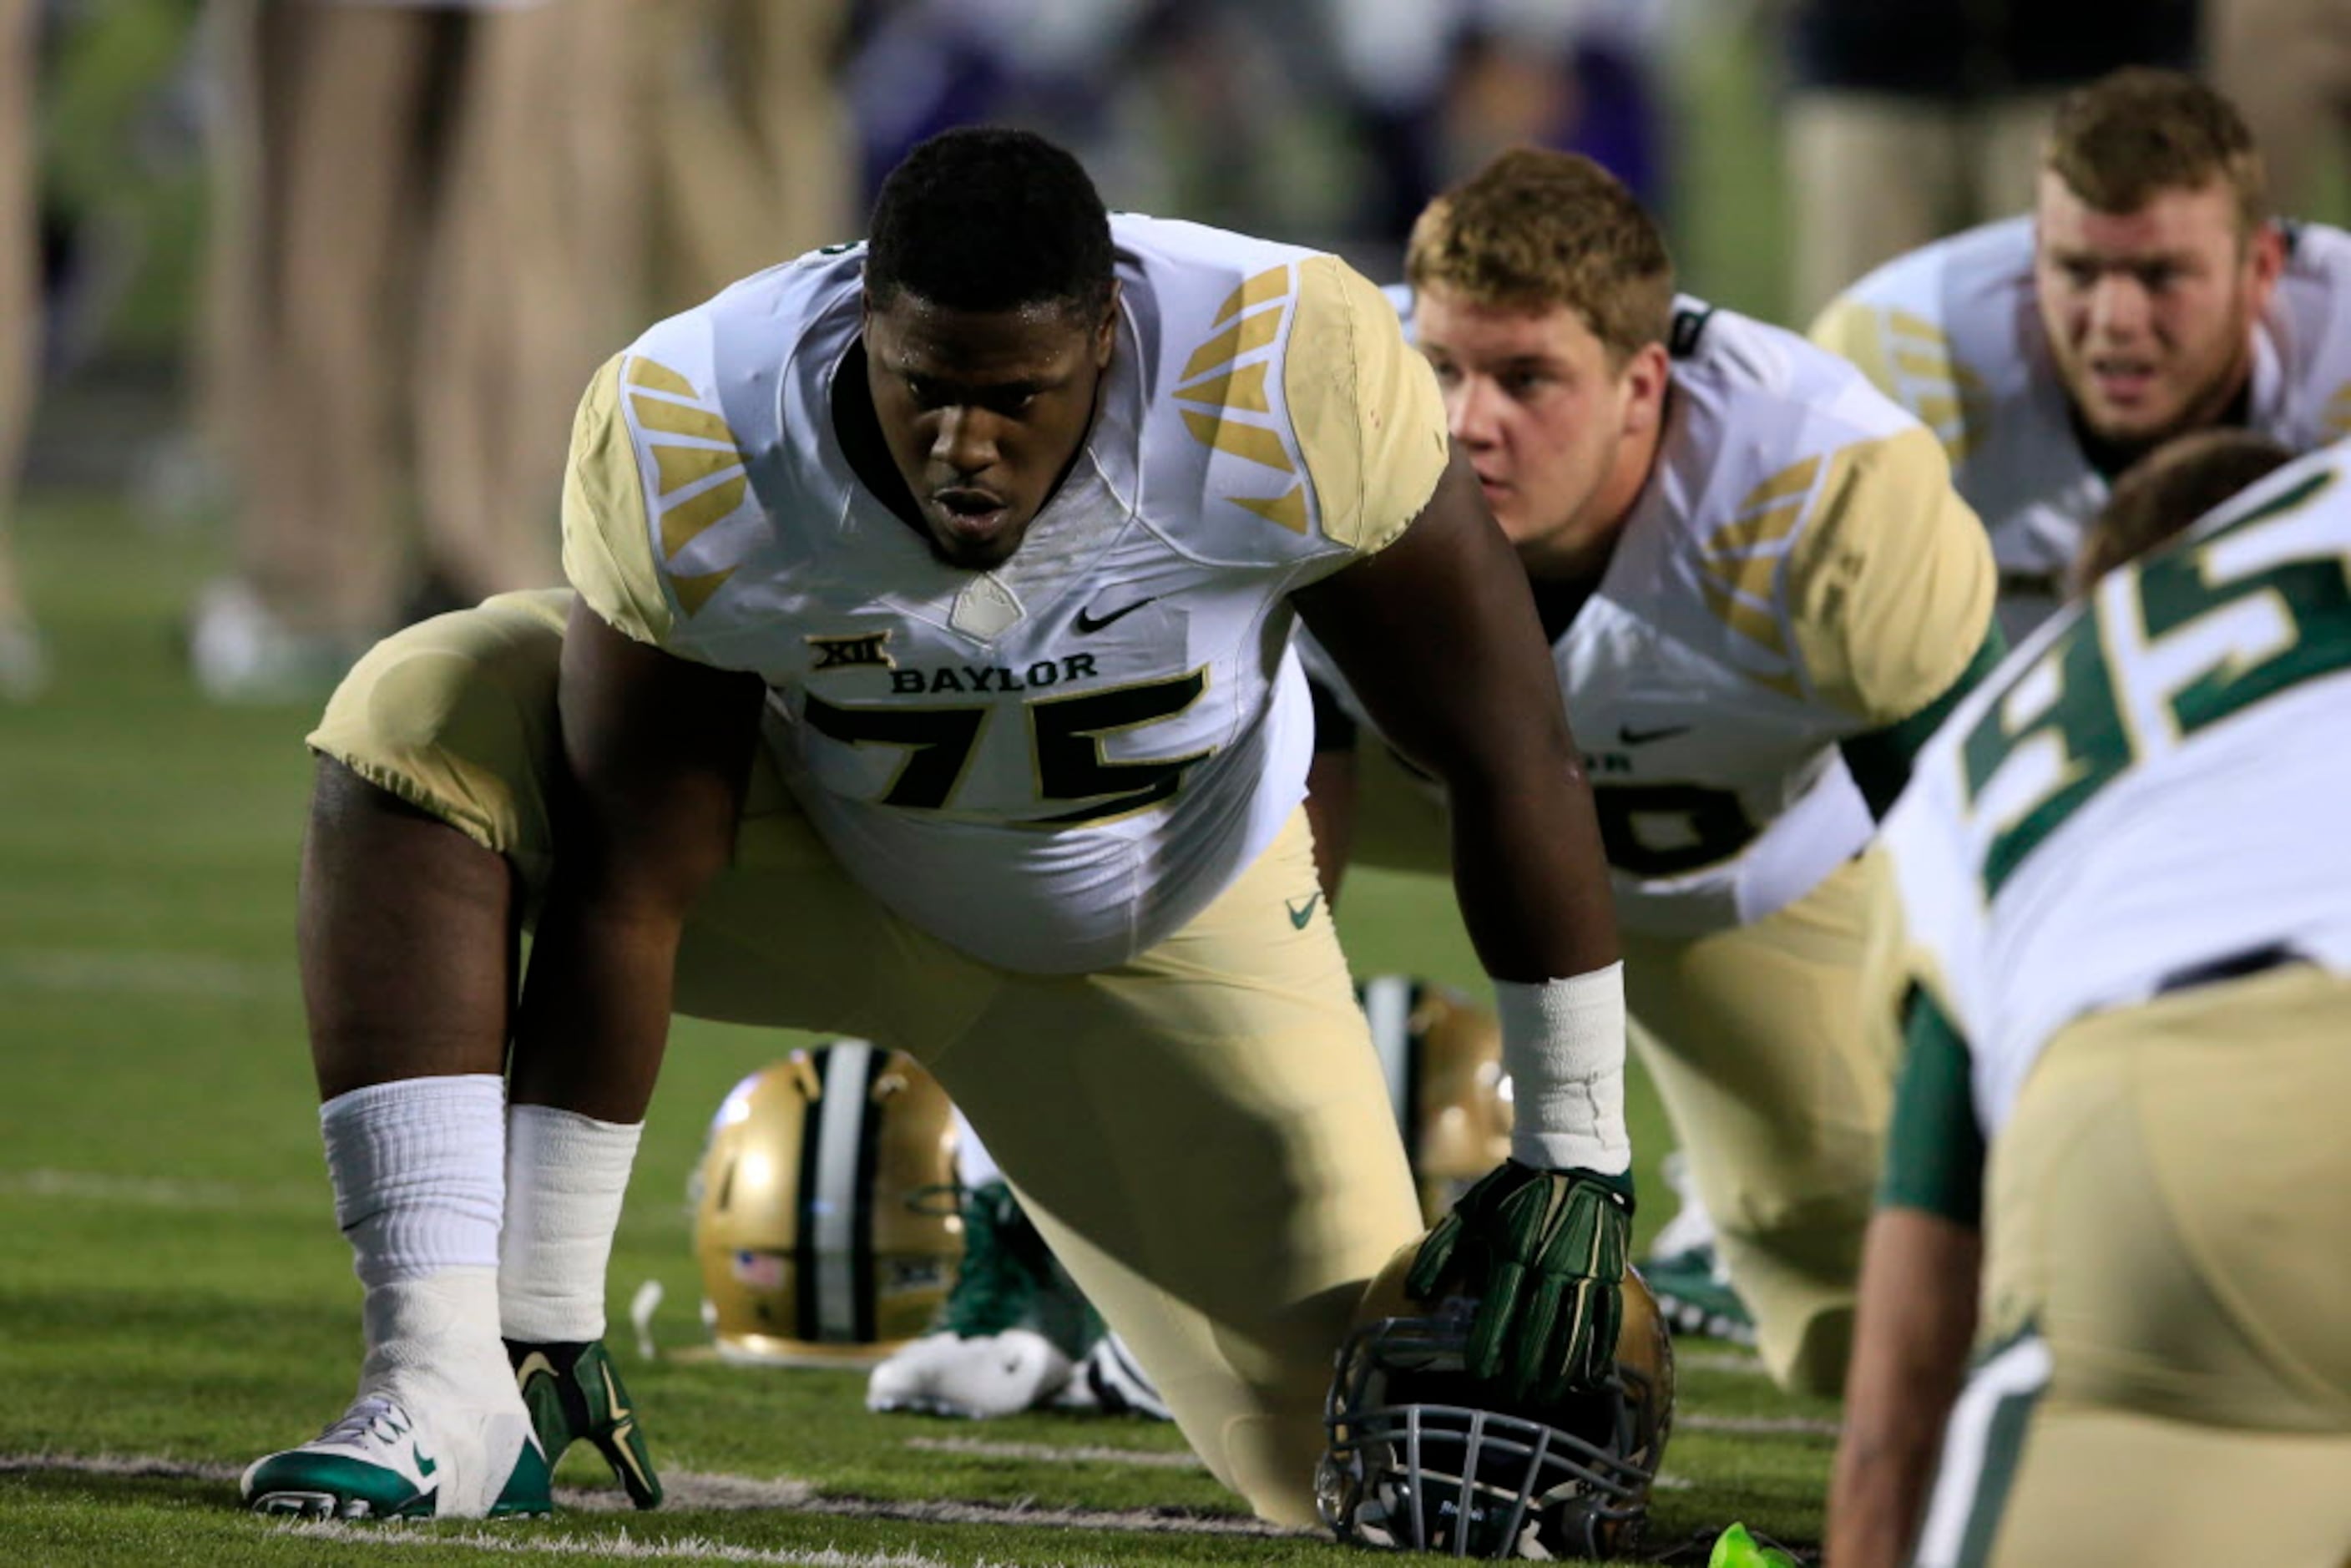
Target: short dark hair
<point x="989" y="219"/>
<point x="2169" y="489"/>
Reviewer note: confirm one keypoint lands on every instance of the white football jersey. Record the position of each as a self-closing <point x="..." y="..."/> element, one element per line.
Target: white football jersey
<point x="1056" y="763"/>
<point x="2151" y="786"/>
<point x="1952" y="331"/>
<point x="1797" y="569"/>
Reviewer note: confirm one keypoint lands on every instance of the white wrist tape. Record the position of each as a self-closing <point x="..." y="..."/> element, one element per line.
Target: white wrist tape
<point x="1563" y="1046"/>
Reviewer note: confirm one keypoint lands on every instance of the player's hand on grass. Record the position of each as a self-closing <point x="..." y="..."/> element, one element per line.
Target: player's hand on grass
<point x="1542" y="1252"/>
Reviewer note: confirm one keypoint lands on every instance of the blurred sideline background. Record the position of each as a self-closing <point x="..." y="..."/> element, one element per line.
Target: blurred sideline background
<point x="1326" y="122"/>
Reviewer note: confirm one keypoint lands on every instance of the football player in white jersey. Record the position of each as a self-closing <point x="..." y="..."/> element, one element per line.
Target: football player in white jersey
<point x="2147" y="294"/>
<point x="2126" y="919"/>
<point x="1761" y="593"/>
<point x="928" y="676"/>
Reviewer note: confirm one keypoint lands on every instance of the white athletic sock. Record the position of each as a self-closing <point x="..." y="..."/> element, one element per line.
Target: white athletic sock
<point x="419" y="1170"/>
<point x="566" y="1175"/>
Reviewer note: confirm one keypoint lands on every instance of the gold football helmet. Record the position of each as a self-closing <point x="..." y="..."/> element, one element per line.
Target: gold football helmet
<point x="825" y="1214"/>
<point x="1443" y="1057"/>
<point x="1424" y="1458"/>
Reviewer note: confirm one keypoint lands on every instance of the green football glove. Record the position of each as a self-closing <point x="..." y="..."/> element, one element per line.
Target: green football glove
<point x="1543" y="1253"/>
<point x="574" y="1395"/>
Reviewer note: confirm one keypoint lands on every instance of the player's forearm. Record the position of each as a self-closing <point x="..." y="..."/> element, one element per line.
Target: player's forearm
<point x="1917" y="1314"/>
<point x="1529" y="874"/>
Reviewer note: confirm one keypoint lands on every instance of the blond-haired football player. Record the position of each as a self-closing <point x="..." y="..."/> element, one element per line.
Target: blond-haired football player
<point x="928" y="676"/>
<point x="2126" y="916"/>
<point x="1761" y="593"/>
<point x="2148" y="293"/>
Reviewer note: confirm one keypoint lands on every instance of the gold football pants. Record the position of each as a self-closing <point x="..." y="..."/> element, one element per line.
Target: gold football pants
<point x="2167" y="1256"/>
<point x="1203" y="1133"/>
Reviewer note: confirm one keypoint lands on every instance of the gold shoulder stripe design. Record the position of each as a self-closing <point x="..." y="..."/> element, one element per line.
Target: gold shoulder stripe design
<point x="644" y="372"/>
<point x="1923" y="378"/>
<point x="1244" y="336"/>
<point x="1228" y="409"/>
<point x="699" y="472"/>
<point x="1254" y="442"/>
<point x="1740" y="561"/>
<point x="2337" y="416"/>
<point x="1271" y="284"/>
<point x="1910" y="360"/>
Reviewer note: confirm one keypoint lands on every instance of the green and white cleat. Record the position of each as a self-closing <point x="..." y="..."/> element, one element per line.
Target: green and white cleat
<point x="574" y="1395"/>
<point x="1010" y="1333"/>
<point x="376" y="1462"/>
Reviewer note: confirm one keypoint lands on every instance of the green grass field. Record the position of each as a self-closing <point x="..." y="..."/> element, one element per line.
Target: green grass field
<point x="174" y="1299"/>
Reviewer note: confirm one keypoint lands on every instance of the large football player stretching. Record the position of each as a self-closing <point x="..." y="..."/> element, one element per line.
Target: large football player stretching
<point x="926" y="675"/>
<point x="2119" y="1169"/>
<point x="1762" y="595"/>
<point x="2147" y="293"/>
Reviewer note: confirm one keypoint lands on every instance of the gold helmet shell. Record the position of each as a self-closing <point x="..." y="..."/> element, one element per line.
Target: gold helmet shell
<point x="1424" y="1458"/>
<point x="1443" y="1058"/>
<point x="824" y="1208"/>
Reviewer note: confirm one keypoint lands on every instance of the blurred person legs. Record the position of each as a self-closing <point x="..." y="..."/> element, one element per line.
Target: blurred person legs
<point x="438" y="228"/>
<point x="2287" y="65"/>
<point x="534" y="274"/>
<point x="754" y="159"/>
<point x="1872" y="175"/>
<point x="23" y="666"/>
<point x="335" y="113"/>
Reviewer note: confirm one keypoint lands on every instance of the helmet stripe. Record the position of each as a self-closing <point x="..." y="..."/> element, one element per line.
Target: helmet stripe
<point x="831" y="1198"/>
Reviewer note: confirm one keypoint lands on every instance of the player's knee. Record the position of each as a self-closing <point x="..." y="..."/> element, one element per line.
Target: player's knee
<point x="456" y="717"/>
<point x="1823" y="1347"/>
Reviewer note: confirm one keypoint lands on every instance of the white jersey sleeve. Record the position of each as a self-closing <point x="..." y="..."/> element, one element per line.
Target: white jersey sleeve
<point x="2150" y="788"/>
<point x="1056" y="763"/>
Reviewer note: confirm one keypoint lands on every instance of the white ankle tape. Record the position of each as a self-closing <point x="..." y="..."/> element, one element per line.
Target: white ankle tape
<point x="419" y="1167"/>
<point x="566" y="1176"/>
<point x="437" y="1337"/>
<point x="1563" y="1046"/>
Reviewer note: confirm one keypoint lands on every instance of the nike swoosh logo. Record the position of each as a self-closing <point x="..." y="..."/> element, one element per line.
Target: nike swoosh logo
<point x="533" y="1364"/>
<point x="1300" y="914"/>
<point x="1628" y="735"/>
<point x="1088" y="623"/>
<point x="424" y="1466"/>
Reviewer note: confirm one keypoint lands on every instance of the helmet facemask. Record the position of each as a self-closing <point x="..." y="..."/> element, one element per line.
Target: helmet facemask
<point x="1424" y="1458"/>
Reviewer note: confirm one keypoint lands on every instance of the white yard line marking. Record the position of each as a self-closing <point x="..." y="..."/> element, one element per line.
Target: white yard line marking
<point x="164" y="1192"/>
<point x="120" y="1465"/>
<point x="690" y="1489"/>
<point x="1084" y="1453"/>
<point x="691" y="1548"/>
<point x="1720" y="1361"/>
<point x="157" y="974"/>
